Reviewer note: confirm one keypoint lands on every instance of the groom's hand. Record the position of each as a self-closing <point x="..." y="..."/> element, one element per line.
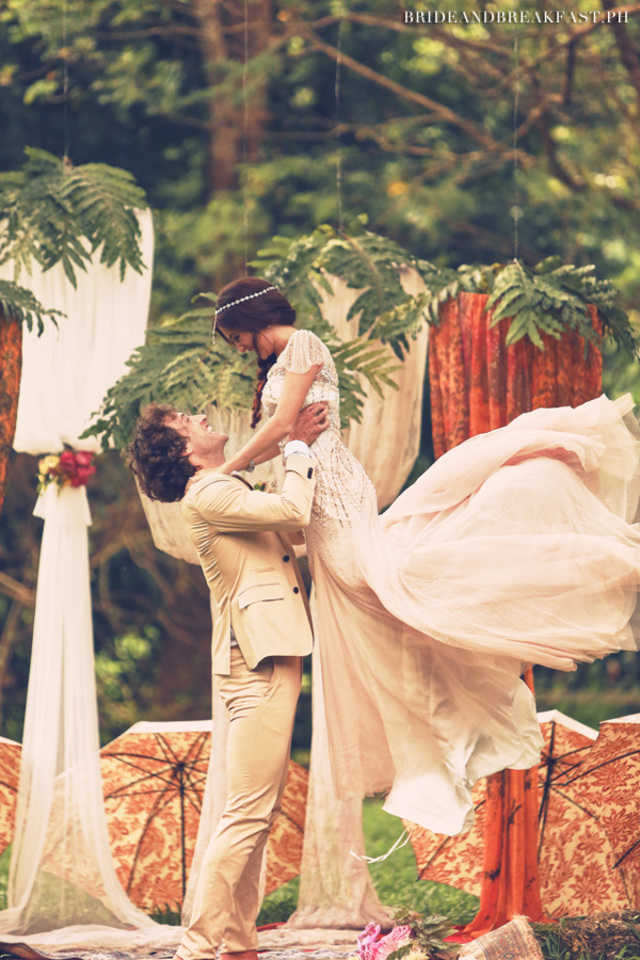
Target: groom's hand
<point x="311" y="422"/>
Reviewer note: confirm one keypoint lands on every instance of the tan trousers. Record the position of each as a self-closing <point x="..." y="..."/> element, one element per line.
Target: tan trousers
<point x="261" y="704"/>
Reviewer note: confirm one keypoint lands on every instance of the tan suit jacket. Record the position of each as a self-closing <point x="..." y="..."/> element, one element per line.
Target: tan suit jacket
<point x="241" y="538"/>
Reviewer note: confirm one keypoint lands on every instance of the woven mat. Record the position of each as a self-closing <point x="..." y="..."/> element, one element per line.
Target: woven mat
<point x="279" y="943"/>
<point x="513" y="941"/>
<point x="293" y="953"/>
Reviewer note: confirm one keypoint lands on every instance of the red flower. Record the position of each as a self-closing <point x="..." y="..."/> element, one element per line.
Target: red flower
<point x="67" y="463"/>
<point x="82" y="476"/>
<point x="69" y="469"/>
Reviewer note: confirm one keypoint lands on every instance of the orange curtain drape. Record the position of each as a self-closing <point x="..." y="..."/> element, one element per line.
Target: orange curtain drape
<point x="10" y="371"/>
<point x="477" y="385"/>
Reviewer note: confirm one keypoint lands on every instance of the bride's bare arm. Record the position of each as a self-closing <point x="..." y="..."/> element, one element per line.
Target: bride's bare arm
<point x="294" y="389"/>
<point x="269" y="454"/>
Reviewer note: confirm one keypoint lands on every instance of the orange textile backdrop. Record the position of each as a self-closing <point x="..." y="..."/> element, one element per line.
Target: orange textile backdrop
<point x="477" y="385"/>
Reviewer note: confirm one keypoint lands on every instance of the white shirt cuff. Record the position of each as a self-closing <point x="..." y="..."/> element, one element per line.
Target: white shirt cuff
<point x="296" y="446"/>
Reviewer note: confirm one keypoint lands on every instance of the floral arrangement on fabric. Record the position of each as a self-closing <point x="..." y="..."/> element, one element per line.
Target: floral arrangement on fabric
<point x="413" y="938"/>
<point x="71" y="468"/>
<point x="373" y="945"/>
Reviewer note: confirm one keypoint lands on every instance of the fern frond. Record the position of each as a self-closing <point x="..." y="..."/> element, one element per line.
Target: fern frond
<point x="20" y="304"/>
<point x="52" y="212"/>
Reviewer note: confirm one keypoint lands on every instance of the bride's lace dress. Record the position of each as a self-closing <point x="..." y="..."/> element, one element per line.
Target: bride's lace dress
<point x="519" y="546"/>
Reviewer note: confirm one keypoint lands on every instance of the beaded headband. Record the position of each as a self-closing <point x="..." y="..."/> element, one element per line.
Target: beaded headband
<point x="234" y="303"/>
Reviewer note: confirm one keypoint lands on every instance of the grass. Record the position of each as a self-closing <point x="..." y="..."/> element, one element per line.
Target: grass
<point x="4" y="876"/>
<point x="588" y="706"/>
<point x="394" y="879"/>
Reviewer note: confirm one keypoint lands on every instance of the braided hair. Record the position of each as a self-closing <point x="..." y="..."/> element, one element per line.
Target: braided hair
<point x="238" y="308"/>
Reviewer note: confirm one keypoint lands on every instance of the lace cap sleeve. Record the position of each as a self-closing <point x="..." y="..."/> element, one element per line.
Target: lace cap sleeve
<point x="303" y="351"/>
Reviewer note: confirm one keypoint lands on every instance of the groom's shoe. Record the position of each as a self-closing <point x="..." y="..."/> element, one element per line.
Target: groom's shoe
<point x="240" y="955"/>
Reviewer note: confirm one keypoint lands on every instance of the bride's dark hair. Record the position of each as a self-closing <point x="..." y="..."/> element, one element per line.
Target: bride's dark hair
<point x="253" y="315"/>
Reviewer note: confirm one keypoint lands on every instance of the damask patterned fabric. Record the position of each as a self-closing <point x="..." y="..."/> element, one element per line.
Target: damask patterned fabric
<point x="9" y="775"/>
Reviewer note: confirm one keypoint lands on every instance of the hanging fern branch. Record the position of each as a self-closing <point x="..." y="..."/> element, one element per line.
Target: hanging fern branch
<point x="549" y="298"/>
<point x="19" y="304"/>
<point x="105" y="200"/>
<point x="554" y="299"/>
<point x="52" y="212"/>
<point x="176" y="366"/>
<point x="371" y="265"/>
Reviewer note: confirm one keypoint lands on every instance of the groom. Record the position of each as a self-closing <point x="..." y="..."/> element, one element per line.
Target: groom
<point x="262" y="631"/>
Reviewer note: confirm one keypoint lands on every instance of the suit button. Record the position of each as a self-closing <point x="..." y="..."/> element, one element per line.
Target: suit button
<point x="286" y="558"/>
<point x="296" y="589"/>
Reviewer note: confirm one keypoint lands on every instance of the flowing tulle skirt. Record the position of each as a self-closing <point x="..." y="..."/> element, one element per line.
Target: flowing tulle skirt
<point x="519" y="546"/>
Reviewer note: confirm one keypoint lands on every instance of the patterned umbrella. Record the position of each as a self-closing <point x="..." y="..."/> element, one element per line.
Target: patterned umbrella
<point x="607" y="782"/>
<point x="154" y="777"/>
<point x="284" y="849"/>
<point x="588" y="822"/>
<point x="10" y="753"/>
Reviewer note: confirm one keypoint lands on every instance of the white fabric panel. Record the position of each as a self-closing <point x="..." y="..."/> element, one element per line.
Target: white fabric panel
<point x="336" y="889"/>
<point x="63" y="888"/>
<point x="61" y="867"/>
<point x="215" y="794"/>
<point x="67" y="371"/>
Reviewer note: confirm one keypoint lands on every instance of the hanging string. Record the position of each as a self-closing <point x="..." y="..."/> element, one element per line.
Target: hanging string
<point x="516" y="185"/>
<point x="245" y="129"/>
<point x="401" y="842"/>
<point x="337" y="94"/>
<point x="65" y="84"/>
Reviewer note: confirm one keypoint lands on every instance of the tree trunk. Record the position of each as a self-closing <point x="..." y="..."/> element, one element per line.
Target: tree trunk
<point x="259" y="34"/>
<point x="236" y="130"/>
<point x="237" y="105"/>
<point x="10" y="370"/>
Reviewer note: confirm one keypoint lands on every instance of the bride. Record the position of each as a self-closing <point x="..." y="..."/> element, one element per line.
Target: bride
<point x="519" y="546"/>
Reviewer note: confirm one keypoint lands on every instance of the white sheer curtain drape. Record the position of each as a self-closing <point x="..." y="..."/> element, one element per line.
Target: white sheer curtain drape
<point x="63" y="889"/>
<point x="61" y="869"/>
<point x="67" y="371"/>
<point x="335" y="887"/>
<point x="215" y="796"/>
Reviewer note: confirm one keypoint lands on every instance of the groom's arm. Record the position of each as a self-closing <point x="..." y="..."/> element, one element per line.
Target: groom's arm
<point x="226" y="503"/>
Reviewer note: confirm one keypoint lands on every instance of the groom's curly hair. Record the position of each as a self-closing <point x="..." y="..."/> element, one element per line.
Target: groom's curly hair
<point x="157" y="455"/>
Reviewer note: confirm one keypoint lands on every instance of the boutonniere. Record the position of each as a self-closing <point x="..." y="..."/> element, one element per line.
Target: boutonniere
<point x="264" y="486"/>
